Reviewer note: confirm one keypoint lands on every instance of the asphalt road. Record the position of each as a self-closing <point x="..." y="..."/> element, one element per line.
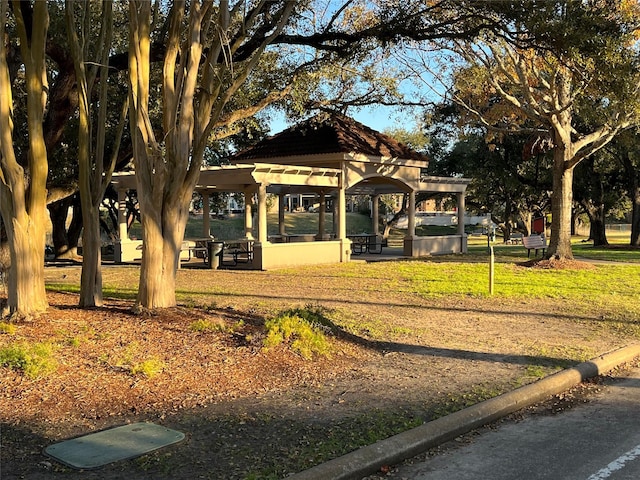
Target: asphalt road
<point x="598" y="440"/>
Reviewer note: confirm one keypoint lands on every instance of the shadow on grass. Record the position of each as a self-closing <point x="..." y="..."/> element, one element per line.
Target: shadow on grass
<point x="317" y="315"/>
<point x="360" y="301"/>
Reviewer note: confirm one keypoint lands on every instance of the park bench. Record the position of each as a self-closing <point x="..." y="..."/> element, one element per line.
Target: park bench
<point x="534" y="242"/>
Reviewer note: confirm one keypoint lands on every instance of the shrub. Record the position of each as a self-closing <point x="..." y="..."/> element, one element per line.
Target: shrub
<point x="148" y="368"/>
<point x="316" y="315"/>
<point x="212" y="326"/>
<point x="305" y="338"/>
<point x="34" y="360"/>
<point x="8" y="328"/>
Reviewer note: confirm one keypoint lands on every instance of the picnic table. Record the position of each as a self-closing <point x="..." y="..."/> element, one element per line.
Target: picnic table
<point x="365" y="243"/>
<point x="237" y="251"/>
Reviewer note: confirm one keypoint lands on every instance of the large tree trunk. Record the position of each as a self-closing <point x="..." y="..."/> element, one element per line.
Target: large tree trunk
<point x="635" y="218"/>
<point x="58" y="212"/>
<point x="196" y="88"/>
<point x="561" y="203"/>
<point x="633" y="187"/>
<point x="26" y="292"/>
<point x="526" y="218"/>
<point x="24" y="208"/>
<point x="65" y="241"/>
<point x="597" y="225"/>
<point x="159" y="261"/>
<point x="163" y="233"/>
<point x="598" y="233"/>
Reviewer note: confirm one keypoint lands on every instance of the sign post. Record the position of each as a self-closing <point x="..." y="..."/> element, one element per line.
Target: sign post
<point x="491" y="269"/>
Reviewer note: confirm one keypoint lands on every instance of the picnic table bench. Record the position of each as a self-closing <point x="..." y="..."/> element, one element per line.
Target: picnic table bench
<point x="194" y="249"/>
<point x="534" y="242"/>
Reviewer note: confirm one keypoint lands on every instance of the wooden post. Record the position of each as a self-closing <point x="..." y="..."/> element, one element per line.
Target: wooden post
<point x="491" y="269"/>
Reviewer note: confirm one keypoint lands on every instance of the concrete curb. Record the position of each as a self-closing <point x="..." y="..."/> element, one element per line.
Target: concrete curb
<point x="368" y="460"/>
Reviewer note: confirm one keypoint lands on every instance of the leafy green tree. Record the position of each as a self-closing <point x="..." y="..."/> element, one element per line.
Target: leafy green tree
<point x="598" y="191"/>
<point x="531" y="76"/>
<point x="509" y="176"/>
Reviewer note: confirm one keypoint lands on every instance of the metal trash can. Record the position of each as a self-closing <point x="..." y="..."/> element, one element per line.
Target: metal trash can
<point x="215" y="253"/>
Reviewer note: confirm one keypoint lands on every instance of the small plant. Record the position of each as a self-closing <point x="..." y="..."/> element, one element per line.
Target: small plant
<point x="149" y="368"/>
<point x="536" y="371"/>
<point x="315" y="315"/>
<point x="34" y="360"/>
<point x="305" y="338"/>
<point x="8" y="328"/>
<point x="73" y="341"/>
<point x="463" y="400"/>
<point x="208" y="326"/>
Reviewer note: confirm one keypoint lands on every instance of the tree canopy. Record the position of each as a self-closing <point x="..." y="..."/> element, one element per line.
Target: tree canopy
<point x="546" y="66"/>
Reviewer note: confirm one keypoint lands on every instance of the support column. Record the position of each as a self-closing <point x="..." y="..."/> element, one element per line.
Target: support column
<point x="461" y="212"/>
<point x="375" y="213"/>
<point x="281" y="224"/>
<point x="342" y="214"/>
<point x="122" y="215"/>
<point x="411" y="214"/>
<point x="262" y="214"/>
<point x="248" y="219"/>
<point x="336" y="214"/>
<point x="322" y="215"/>
<point x="206" y="215"/>
<point x="461" y="207"/>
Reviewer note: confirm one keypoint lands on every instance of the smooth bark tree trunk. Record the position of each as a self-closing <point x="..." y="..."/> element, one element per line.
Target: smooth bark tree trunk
<point x="23" y="202"/>
<point x="26" y="292"/>
<point x="163" y="233"/>
<point x="91" y="277"/>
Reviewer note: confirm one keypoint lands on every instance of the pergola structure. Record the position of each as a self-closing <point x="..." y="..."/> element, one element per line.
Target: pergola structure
<point x="332" y="157"/>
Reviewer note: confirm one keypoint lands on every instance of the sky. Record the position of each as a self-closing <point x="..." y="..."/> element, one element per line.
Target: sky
<point x="379" y="118"/>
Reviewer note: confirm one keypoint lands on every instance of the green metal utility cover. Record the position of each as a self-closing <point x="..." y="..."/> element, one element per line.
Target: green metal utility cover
<point x="120" y="443"/>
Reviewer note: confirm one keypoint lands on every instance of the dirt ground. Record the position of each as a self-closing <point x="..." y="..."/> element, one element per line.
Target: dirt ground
<point x="253" y="413"/>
